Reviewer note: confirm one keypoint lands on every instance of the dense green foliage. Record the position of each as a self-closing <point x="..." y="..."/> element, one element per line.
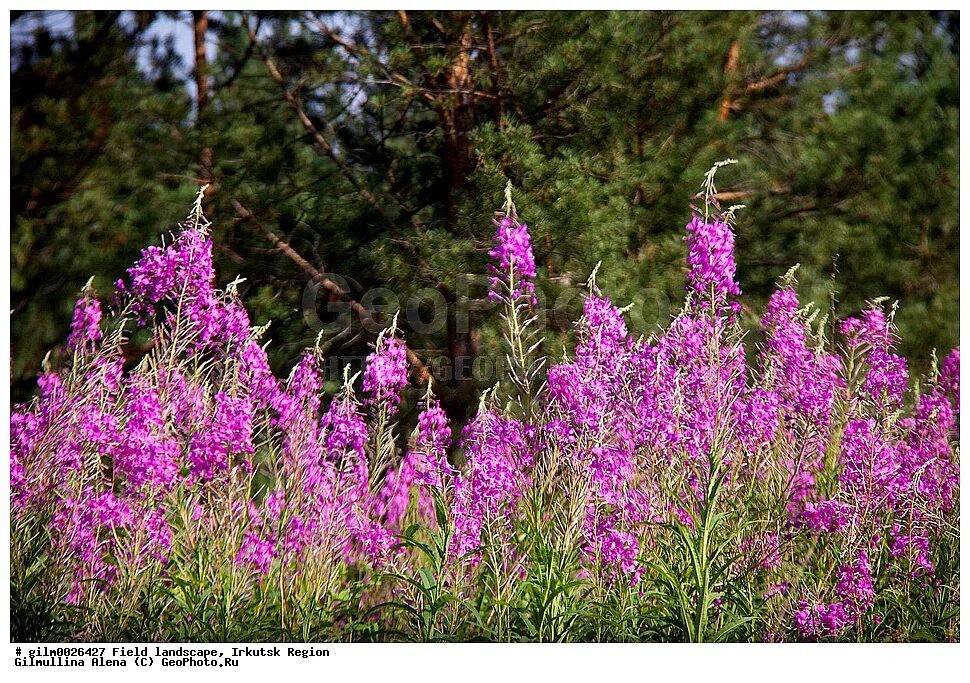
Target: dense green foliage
<point x="845" y="126"/>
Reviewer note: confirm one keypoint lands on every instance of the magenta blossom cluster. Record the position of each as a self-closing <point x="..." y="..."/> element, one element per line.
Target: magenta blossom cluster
<point x="642" y="418"/>
<point x="514" y="267"/>
<point x="424" y="467"/>
<point x="499" y="459"/>
<point x="180" y="279"/>
<point x="89" y="529"/>
<point x="112" y="450"/>
<point x="855" y="593"/>
<point x="85" y="326"/>
<point x="386" y="374"/>
<point x="710" y="256"/>
<point x="871" y="335"/>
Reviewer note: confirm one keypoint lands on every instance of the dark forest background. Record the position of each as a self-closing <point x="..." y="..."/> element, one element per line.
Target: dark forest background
<point x="376" y="145"/>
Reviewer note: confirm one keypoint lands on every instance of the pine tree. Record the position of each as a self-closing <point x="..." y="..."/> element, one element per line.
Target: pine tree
<point x="364" y="150"/>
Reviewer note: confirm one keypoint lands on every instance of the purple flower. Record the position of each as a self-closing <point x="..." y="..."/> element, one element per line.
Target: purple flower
<point x="871" y="328"/>
<point x="424" y="465"/>
<point x="806" y="381"/>
<point x="86" y="325"/>
<point x="142" y="452"/>
<point x="514" y="266"/>
<point x="432" y="442"/>
<point x="344" y="436"/>
<point x="854" y="590"/>
<point x="158" y="536"/>
<point x="181" y="275"/>
<point x="94" y="530"/>
<point x="914" y="547"/>
<point x="827" y="515"/>
<point x="226" y="432"/>
<point x="372" y="542"/>
<point x="386" y="374"/>
<point x="257" y="551"/>
<point x="888" y="376"/>
<point x="928" y="463"/>
<point x="256" y="377"/>
<point x="619" y="550"/>
<point x="950" y="377"/>
<point x="762" y="551"/>
<point x="869" y="464"/>
<point x="496" y="476"/>
<point x="710" y="255"/>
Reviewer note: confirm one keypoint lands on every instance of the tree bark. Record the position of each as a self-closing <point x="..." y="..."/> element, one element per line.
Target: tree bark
<point x="730" y="74"/>
<point x="331" y="287"/>
<point x="200" y="24"/>
<point x="456" y="111"/>
<point x="457" y="115"/>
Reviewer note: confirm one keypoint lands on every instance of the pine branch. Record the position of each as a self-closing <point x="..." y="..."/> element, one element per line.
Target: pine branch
<point x="366" y="317"/>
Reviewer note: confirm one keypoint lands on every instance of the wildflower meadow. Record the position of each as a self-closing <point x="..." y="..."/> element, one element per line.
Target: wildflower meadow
<point x="707" y="482"/>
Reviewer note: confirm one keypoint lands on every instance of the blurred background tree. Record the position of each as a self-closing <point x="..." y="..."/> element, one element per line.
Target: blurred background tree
<point x="374" y="146"/>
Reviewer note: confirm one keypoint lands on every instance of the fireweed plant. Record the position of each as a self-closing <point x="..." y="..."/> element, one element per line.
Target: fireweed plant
<point x="666" y="488"/>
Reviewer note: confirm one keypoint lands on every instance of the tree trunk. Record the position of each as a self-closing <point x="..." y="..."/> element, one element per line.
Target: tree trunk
<point x="200" y="24"/>
<point x="456" y="111"/>
<point x="457" y="114"/>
